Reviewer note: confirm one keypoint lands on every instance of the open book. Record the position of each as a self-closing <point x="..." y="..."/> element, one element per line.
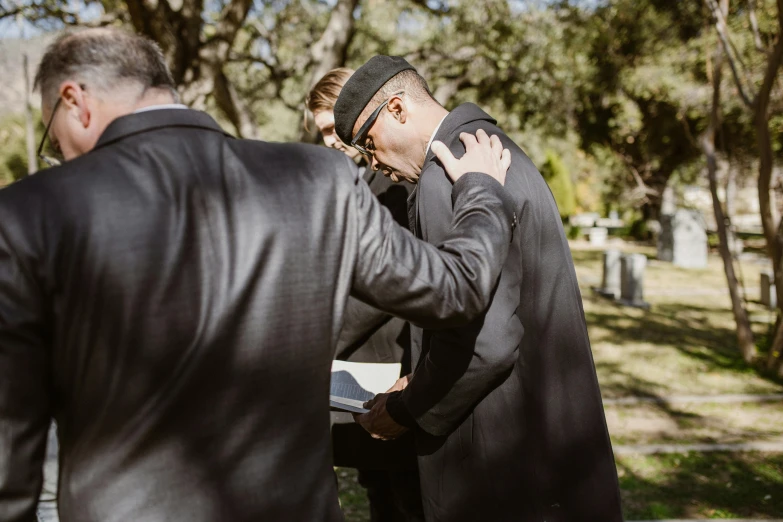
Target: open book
<point x="355" y="383"/>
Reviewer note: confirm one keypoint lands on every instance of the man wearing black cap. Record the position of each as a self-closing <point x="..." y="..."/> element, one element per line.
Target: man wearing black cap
<point x="506" y="412"/>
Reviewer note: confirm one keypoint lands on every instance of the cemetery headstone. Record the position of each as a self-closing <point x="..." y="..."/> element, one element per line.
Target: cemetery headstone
<point x="598" y="236"/>
<point x="632" y="280"/>
<point x="610" y="283"/>
<point x="683" y="239"/>
<point x="769" y="297"/>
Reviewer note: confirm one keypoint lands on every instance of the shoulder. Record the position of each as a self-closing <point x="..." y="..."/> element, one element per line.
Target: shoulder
<point x="300" y="159"/>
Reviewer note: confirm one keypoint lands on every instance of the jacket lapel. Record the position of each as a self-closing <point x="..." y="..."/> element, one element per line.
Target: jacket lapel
<point x="413" y="212"/>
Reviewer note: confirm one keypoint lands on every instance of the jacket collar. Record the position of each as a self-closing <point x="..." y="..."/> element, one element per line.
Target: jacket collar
<point x="462" y="115"/>
<point x="136" y="123"/>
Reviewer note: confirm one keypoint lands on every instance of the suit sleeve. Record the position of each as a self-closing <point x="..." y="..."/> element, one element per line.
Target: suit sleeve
<point x="458" y="371"/>
<point x="428" y="286"/>
<point x="24" y="398"/>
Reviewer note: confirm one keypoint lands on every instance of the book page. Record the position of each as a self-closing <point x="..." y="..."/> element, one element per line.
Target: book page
<point x="353" y="383"/>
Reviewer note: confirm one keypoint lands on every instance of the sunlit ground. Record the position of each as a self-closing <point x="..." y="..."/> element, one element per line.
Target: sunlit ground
<point x="683" y="345"/>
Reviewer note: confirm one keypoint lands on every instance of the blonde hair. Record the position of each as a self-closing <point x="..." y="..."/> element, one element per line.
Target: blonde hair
<point x="324" y="94"/>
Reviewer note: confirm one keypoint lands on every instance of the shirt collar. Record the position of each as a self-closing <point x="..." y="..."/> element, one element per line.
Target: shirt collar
<point x="434" y="132"/>
<point x="161" y="106"/>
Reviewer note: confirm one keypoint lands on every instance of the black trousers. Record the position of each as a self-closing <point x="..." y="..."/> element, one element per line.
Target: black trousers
<point x="395" y="496"/>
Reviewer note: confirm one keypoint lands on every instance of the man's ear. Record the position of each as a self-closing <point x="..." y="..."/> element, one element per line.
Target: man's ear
<point x="398" y="109"/>
<point x="74" y="97"/>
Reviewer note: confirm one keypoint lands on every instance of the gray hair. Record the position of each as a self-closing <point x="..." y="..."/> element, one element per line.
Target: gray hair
<point x="105" y="59"/>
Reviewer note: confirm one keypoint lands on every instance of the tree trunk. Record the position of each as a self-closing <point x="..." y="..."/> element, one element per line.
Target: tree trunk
<point x="745" y="340"/>
<point x="330" y="51"/>
<point x="773" y="230"/>
<point x="197" y="66"/>
<point x="32" y="160"/>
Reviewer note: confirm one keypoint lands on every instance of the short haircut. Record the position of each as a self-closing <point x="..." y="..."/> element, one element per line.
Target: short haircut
<point x="104" y="58"/>
<point x="410" y="81"/>
<point x="324" y="94"/>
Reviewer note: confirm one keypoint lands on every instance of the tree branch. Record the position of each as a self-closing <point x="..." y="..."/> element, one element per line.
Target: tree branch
<point x="720" y="26"/>
<point x="441" y="8"/>
<point x="754" y="24"/>
<point x="231" y="19"/>
<point x="773" y="64"/>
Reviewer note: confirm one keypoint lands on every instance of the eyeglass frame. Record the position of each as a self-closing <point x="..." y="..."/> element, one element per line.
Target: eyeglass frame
<point x="365" y="128"/>
<point x="52" y="162"/>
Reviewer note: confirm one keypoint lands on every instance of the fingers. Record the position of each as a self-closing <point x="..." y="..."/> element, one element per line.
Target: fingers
<point x="505" y="159"/>
<point x="482" y="137"/>
<point x="369" y="404"/>
<point x="497" y="146"/>
<point x="446" y="158"/>
<point x="469" y="140"/>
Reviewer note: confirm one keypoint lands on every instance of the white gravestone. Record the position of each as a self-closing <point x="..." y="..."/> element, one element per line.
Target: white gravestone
<point x="683" y="239"/>
<point x="769" y="296"/>
<point x="610" y="283"/>
<point x="632" y="280"/>
<point x="598" y="236"/>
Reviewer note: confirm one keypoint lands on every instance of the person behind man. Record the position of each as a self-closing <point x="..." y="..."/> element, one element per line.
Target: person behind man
<point x="507" y="412"/>
<point x="388" y="471"/>
<point x="172" y="296"/>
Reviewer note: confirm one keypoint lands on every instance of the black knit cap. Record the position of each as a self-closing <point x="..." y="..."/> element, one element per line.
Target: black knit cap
<point x="361" y="87"/>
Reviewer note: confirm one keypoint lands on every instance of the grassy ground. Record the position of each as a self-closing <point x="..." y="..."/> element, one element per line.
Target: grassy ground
<point x="683" y="345"/>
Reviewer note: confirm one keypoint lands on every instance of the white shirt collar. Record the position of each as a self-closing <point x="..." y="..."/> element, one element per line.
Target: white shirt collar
<point x="432" y="138"/>
<point x="161" y="106"/>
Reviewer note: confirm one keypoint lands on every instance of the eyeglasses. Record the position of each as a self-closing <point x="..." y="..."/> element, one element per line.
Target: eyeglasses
<point x="52" y="162"/>
<point x="364" y="129"/>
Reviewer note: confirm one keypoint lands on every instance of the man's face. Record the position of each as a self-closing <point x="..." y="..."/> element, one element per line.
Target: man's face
<point x="393" y="143"/>
<point x="324" y="120"/>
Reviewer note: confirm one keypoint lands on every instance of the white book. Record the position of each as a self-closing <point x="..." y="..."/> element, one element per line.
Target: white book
<point x="353" y="383"/>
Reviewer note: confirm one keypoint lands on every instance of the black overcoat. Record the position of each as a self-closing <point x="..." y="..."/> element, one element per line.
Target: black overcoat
<point x="511" y="422"/>
<point x="173" y="299"/>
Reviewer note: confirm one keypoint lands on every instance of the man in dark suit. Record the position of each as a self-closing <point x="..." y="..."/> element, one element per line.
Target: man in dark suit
<point x="388" y="471"/>
<point x="506" y="411"/>
<point x="172" y="296"/>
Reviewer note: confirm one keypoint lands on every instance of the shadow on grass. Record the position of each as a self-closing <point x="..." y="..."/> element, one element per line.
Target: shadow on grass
<point x="714" y="485"/>
<point x="682" y="326"/>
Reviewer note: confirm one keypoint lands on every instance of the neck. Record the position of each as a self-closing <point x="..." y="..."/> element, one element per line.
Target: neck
<point x="431" y="118"/>
<point x="154" y="97"/>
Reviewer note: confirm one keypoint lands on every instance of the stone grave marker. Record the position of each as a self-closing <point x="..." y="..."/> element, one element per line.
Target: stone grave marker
<point x="632" y="280"/>
<point x="769" y="297"/>
<point x="683" y="239"/>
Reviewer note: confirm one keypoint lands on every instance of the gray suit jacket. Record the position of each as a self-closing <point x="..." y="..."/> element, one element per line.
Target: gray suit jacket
<point x="173" y="298"/>
<point x="508" y="410"/>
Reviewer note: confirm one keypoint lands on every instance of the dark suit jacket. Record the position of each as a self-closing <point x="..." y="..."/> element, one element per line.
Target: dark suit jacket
<point x="371" y="336"/>
<point x="511" y="422"/>
<point x="173" y="298"/>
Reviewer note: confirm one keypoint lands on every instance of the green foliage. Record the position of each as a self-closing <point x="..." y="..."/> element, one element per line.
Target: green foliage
<point x="13" y="154"/>
<point x="618" y="90"/>
<point x="559" y="180"/>
<point x="638" y="230"/>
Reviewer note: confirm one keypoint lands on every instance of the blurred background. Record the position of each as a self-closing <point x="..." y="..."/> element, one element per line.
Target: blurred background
<point x="659" y="127"/>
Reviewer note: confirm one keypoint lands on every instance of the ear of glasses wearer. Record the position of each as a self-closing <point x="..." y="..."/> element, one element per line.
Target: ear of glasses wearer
<point x="358" y="141"/>
<point x="52" y="160"/>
